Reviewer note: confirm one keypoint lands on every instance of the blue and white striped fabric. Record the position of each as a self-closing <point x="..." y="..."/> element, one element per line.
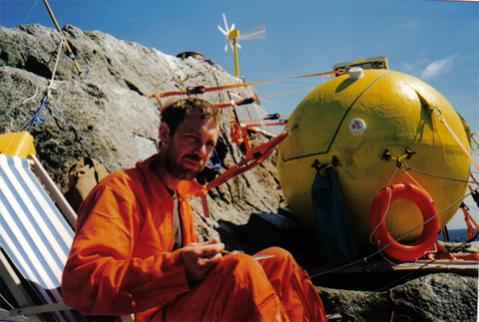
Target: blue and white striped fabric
<point x="33" y="233"/>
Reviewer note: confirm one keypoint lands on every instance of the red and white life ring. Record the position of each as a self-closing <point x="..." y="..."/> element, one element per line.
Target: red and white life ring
<point x="378" y="225"/>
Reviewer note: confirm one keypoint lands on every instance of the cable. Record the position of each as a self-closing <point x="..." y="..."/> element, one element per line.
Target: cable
<point x="195" y="90"/>
<point x="425" y="264"/>
<point x="31" y="11"/>
<point x="6" y="301"/>
<point x="56" y="64"/>
<point x="437" y="176"/>
<point x="37" y="116"/>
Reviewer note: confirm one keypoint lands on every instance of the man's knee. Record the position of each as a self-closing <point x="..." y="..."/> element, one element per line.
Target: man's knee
<point x="243" y="272"/>
<point x="237" y="264"/>
<point x="277" y="252"/>
<point x="278" y="255"/>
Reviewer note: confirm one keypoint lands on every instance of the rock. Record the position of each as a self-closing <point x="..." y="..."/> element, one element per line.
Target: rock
<point x="434" y="297"/>
<point x="106" y="114"/>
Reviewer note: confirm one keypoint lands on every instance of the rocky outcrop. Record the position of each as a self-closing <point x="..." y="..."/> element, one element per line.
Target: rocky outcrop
<point x="106" y="114"/>
<point x="435" y="297"/>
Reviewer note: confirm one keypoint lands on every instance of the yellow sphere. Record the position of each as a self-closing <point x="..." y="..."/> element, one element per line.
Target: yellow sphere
<point x="356" y="120"/>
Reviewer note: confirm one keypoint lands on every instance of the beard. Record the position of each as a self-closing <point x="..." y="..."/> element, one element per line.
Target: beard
<point x="178" y="170"/>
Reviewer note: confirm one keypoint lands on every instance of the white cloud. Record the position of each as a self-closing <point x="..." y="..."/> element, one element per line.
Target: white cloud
<point x="414" y="66"/>
<point x="412" y="24"/>
<point x="438" y="67"/>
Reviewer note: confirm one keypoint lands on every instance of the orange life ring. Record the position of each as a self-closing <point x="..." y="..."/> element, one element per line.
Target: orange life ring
<point x="378" y="225"/>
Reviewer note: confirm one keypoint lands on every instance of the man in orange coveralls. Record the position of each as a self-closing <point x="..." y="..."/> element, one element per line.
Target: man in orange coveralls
<point x="136" y="250"/>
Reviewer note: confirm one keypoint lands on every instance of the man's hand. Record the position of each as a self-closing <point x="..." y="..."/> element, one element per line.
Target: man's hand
<point x="200" y="258"/>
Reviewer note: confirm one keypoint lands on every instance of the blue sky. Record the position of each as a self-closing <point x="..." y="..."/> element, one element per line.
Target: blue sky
<point x="437" y="41"/>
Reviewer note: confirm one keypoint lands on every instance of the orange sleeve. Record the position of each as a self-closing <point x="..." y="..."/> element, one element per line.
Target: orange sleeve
<point x="101" y="276"/>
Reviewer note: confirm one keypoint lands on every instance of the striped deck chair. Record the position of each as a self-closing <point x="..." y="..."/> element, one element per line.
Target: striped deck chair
<point x="35" y="239"/>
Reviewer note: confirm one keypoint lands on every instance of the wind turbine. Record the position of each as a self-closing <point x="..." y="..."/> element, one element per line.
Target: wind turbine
<point x="232" y="35"/>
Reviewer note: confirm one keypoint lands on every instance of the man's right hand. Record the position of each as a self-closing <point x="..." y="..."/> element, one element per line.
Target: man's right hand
<point x="200" y="258"/>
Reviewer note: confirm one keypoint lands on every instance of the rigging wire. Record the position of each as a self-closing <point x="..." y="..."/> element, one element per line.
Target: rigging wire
<point x="126" y="17"/>
<point x="438" y="176"/>
<point x="432" y="261"/>
<point x="195" y="90"/>
<point x="31" y="11"/>
<point x="4" y="299"/>
<point x="287" y="92"/>
<point x="37" y="116"/>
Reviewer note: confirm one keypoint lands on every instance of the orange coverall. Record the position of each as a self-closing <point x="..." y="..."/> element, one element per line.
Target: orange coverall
<point x="122" y="261"/>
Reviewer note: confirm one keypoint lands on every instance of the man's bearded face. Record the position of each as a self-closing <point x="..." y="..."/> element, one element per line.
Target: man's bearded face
<point x="187" y="151"/>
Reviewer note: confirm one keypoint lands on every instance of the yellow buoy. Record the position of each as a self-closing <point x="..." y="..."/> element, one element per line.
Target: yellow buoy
<point x="363" y="119"/>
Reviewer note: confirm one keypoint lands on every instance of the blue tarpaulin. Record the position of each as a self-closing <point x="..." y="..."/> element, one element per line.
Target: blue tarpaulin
<point x="334" y="236"/>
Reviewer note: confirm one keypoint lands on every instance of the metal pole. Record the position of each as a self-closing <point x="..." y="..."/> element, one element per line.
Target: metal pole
<point x="60" y="31"/>
<point x="235" y="56"/>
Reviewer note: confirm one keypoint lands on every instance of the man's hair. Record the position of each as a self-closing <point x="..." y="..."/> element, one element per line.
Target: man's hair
<point x="175" y="112"/>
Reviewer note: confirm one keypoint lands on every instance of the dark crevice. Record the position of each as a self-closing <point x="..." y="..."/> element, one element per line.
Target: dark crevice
<point x="34" y="66"/>
<point x="133" y="87"/>
<point x="4" y="56"/>
<point x="74" y="49"/>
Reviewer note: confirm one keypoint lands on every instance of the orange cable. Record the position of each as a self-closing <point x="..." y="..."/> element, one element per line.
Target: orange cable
<point x="202" y="89"/>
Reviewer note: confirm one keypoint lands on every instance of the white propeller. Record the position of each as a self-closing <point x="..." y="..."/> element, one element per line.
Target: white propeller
<point x="226" y="31"/>
<point x="222" y="31"/>
<point x="233" y="35"/>
<point x="257" y="33"/>
<point x="226" y="23"/>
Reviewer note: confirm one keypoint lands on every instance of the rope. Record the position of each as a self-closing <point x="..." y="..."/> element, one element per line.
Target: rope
<point x="371" y="241"/>
<point x="37" y="116"/>
<point x="269" y="117"/>
<point x="202" y="89"/>
<point x="56" y="64"/>
<point x="6" y="301"/>
<point x="44" y="102"/>
<point x="422" y="267"/>
<point x="30" y="98"/>
<point x="437" y="176"/>
<point x="456" y="138"/>
<point x="474" y="179"/>
<point x="470" y="222"/>
<point x="31" y="11"/>
<point x="279" y="122"/>
<point x="19" y="105"/>
<point x="244" y="101"/>
<point x="475" y="141"/>
<point x="291" y="91"/>
<point x="413" y="179"/>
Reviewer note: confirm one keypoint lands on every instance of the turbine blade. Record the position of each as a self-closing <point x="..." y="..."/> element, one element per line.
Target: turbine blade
<point x="222" y="31"/>
<point x="226" y="47"/>
<point x="258" y="33"/>
<point x="226" y="23"/>
<point x="232" y="27"/>
<point x="238" y="45"/>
